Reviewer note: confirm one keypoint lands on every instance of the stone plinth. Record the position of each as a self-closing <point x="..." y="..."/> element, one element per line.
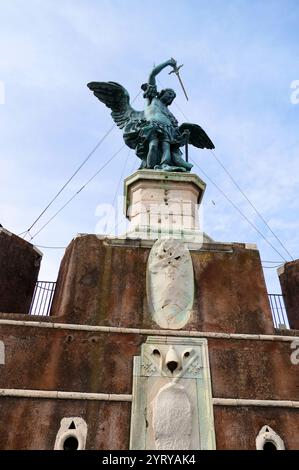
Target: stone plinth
<point x="163" y="204"/>
<point x="289" y="281"/>
<point x="19" y="268"/>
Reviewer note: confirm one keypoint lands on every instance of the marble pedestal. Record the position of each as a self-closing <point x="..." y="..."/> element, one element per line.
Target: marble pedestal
<point x="164" y="204"/>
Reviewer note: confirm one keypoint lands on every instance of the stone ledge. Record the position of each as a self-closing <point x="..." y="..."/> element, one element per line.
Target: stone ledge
<point x="143" y="331"/>
<point x="68" y="395"/>
<point x="192" y="246"/>
<point x="247" y="402"/>
<point x="56" y="394"/>
<point x="2" y="229"/>
<point x="139" y="242"/>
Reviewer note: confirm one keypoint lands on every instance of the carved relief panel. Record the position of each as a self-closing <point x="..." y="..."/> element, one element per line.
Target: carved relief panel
<point x="172" y="404"/>
<point x="170" y="283"/>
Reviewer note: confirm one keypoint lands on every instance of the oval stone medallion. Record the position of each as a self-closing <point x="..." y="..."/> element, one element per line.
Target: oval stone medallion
<point x="170" y="283"/>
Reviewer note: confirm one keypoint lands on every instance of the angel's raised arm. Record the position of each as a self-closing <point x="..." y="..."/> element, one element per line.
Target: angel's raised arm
<point x="156" y="70"/>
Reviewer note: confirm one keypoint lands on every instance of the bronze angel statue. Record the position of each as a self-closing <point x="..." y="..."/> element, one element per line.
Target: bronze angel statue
<point x="154" y="133"/>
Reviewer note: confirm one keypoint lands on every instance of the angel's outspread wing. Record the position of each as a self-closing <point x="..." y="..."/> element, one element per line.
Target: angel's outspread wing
<point x="116" y="97"/>
<point x="198" y="137"/>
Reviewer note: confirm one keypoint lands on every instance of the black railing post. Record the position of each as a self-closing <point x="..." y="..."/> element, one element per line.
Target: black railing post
<point x="42" y="298"/>
<point x="278" y="310"/>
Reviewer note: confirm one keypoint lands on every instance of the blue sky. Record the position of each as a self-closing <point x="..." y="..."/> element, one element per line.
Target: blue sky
<point x="240" y="59"/>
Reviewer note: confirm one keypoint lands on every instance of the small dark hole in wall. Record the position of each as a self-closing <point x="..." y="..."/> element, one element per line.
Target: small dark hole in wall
<point x="71" y="443"/>
<point x="269" y="446"/>
<point x="72" y="426"/>
<point x="156" y="352"/>
<point x="94" y="339"/>
<point x="187" y="354"/>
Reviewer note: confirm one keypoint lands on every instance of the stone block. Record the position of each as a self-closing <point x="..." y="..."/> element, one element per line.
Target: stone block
<point x="163" y="202"/>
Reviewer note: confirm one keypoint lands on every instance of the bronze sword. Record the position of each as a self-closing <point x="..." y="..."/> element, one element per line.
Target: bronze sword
<point x="176" y="71"/>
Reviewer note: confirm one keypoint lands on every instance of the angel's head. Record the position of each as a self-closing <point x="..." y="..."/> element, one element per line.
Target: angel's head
<point x="167" y="96"/>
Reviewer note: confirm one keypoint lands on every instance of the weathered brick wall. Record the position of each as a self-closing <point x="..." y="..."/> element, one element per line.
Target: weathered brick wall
<point x="89" y="361"/>
<point x="19" y="268"/>
<point x="289" y="281"/>
<point x="104" y="283"/>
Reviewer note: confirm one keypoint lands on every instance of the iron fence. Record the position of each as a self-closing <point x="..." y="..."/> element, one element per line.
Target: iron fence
<point x="44" y="292"/>
<point x="42" y="298"/>
<point x="278" y="309"/>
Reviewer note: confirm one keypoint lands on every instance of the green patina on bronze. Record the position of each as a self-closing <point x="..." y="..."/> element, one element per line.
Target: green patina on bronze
<point x="154" y="133"/>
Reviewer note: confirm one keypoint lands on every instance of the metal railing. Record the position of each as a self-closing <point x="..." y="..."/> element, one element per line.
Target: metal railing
<point x="44" y="292"/>
<point x="42" y="298"/>
<point x="278" y="309"/>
